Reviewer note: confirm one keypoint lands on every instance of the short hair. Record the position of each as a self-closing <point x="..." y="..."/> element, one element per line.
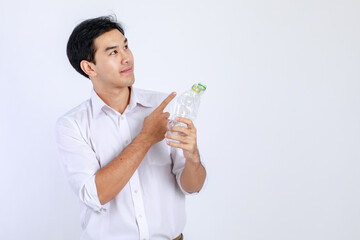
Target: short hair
<point x="81" y="46"/>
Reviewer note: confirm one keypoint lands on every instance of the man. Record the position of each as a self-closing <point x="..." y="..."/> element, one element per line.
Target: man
<point x="130" y="179"/>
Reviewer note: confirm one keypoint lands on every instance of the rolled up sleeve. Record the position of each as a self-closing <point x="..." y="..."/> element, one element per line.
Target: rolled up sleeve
<point x="79" y="162"/>
<point x="178" y="167"/>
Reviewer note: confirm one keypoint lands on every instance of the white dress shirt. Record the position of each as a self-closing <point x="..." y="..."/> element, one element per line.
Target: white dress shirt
<point x="152" y="203"/>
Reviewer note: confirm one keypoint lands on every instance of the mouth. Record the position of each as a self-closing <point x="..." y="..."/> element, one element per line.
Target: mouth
<point x="127" y="70"/>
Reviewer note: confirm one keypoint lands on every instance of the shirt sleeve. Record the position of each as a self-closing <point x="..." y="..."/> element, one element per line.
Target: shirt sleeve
<point x="179" y="165"/>
<point x="79" y="162"/>
<point x="178" y="158"/>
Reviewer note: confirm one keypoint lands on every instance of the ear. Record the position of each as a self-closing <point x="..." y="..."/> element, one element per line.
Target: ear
<point x="88" y="68"/>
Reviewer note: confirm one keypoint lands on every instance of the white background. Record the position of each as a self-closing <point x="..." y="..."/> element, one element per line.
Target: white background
<point x="279" y="126"/>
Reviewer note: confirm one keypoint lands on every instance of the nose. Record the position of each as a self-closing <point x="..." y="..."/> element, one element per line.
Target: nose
<point x="125" y="57"/>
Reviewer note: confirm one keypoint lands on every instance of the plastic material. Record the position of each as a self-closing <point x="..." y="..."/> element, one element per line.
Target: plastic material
<point x="187" y="105"/>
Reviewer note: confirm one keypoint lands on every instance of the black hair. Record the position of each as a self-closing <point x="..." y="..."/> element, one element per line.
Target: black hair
<point x="80" y="45"/>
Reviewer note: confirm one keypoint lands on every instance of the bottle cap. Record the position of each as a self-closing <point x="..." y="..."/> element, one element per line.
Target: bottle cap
<point x="202" y="86"/>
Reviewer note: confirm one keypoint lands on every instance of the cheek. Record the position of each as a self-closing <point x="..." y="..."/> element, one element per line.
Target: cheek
<point x="109" y="67"/>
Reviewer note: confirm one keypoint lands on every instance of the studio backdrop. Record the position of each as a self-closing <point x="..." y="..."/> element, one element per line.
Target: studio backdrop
<point x="278" y="127"/>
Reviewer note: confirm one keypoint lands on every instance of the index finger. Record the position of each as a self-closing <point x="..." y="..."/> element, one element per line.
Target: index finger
<point x="164" y="103"/>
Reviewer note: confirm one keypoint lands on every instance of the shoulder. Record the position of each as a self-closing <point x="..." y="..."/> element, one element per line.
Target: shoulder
<point x="77" y="115"/>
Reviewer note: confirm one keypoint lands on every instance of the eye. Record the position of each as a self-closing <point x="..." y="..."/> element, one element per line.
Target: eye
<point x="126" y="47"/>
<point x="113" y="52"/>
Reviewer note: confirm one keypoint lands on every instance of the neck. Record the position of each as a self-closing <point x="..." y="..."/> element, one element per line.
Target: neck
<point x="117" y="99"/>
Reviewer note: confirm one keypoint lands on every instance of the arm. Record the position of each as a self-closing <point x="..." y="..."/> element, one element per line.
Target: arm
<point x="193" y="176"/>
<point x="113" y="177"/>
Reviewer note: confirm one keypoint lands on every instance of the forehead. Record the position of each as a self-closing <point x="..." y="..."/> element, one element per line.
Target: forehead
<point x="110" y="38"/>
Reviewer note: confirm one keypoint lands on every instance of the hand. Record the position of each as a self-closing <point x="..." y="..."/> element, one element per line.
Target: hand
<point x="187" y="139"/>
<point x="155" y="125"/>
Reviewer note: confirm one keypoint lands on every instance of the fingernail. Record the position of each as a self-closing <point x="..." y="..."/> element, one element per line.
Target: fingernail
<point x="173" y="93"/>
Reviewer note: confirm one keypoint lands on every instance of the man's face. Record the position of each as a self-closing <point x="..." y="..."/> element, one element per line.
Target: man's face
<point x="114" y="61"/>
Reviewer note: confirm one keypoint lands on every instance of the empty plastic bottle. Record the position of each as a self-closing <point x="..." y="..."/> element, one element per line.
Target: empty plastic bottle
<point x="187" y="105"/>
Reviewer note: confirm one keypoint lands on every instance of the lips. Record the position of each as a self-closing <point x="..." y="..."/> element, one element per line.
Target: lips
<point x="127" y="70"/>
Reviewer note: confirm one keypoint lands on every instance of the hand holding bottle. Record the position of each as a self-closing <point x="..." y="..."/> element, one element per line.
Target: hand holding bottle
<point x="182" y="132"/>
<point x="185" y="138"/>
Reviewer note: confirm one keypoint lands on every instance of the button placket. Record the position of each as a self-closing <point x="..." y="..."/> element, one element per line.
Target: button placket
<point x="125" y="130"/>
<point x="135" y="187"/>
<point x="139" y="206"/>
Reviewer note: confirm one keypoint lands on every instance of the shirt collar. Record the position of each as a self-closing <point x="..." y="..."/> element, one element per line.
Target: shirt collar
<point x="138" y="98"/>
<point x="135" y="99"/>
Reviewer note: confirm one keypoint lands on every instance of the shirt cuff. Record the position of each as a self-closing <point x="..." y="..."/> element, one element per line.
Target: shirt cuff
<point x="89" y="196"/>
<point x="178" y="176"/>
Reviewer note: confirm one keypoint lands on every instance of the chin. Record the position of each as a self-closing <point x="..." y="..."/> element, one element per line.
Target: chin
<point x="131" y="81"/>
<point x="126" y="80"/>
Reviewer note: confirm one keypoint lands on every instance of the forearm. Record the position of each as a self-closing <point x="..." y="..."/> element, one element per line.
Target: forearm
<point x="193" y="176"/>
<point x="111" y="179"/>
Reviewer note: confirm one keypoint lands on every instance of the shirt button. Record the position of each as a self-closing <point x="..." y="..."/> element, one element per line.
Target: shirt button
<point x="136" y="191"/>
<point x="122" y="118"/>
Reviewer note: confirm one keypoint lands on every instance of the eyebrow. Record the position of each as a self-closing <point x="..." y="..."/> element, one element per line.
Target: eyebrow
<point x="113" y="47"/>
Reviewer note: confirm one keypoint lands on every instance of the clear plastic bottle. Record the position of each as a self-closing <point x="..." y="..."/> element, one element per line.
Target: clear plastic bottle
<point x="187" y="104"/>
